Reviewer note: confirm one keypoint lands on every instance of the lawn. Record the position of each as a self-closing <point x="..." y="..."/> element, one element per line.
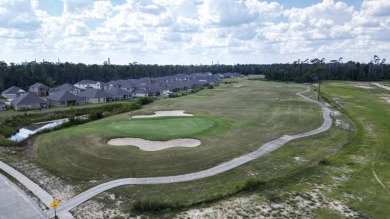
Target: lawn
<point x="164" y="128"/>
<point x="242" y="116"/>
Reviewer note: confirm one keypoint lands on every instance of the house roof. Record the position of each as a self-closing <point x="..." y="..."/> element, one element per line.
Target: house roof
<point x="1" y="102"/>
<point x="94" y="93"/>
<point x="37" y="85"/>
<point x="66" y="86"/>
<point x="86" y="82"/>
<point x="116" y="91"/>
<point x="13" y="90"/>
<point x="63" y="95"/>
<point x="27" y="98"/>
<point x="140" y="90"/>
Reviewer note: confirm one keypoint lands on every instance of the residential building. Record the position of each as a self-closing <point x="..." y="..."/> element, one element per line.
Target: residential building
<point x="28" y="101"/>
<point x="3" y="106"/>
<point x="39" y="89"/>
<point x="118" y="94"/>
<point x="12" y="92"/>
<point x="95" y="96"/>
<point x="64" y="98"/>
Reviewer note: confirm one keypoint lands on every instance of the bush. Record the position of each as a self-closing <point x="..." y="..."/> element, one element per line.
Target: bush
<point x="252" y="184"/>
<point x="149" y="205"/>
<point x="210" y="87"/>
<point x="325" y="162"/>
<point x="145" y="100"/>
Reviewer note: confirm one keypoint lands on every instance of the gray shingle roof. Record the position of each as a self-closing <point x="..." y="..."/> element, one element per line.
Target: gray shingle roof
<point x="13" y="90"/>
<point x="37" y="85"/>
<point x="86" y="82"/>
<point x="1" y="102"/>
<point x="63" y="95"/>
<point x="27" y="98"/>
<point x="93" y="94"/>
<point x="117" y="92"/>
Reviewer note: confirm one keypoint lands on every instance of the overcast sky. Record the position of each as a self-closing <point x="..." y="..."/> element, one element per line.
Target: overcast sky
<point x="193" y="31"/>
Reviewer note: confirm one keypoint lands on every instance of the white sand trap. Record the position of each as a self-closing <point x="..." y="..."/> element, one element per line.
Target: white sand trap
<point x="147" y="145"/>
<point x="164" y="113"/>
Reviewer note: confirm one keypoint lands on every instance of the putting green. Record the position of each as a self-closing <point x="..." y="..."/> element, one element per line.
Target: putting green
<point x="162" y="128"/>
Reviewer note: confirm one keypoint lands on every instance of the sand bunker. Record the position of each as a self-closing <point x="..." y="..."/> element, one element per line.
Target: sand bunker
<point x="147" y="145"/>
<point x="163" y="113"/>
<point x="237" y="85"/>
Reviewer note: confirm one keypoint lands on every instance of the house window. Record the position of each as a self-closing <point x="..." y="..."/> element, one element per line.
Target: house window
<point x="62" y="103"/>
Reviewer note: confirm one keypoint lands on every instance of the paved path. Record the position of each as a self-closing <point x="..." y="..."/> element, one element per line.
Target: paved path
<point x="381" y="85"/>
<point x="14" y="203"/>
<point x="263" y="150"/>
<point x="45" y="197"/>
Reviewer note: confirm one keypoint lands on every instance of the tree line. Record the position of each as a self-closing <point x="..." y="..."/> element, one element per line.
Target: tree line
<point x="309" y="70"/>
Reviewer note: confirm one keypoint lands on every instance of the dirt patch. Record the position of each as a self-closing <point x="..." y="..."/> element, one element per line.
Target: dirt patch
<point x="147" y="145"/>
<point x="387" y="99"/>
<point x="95" y="209"/>
<point x="163" y="113"/>
<point x="237" y="85"/>
<point x="335" y="113"/>
<point x="343" y="124"/>
<point x="297" y="205"/>
<point x="364" y="87"/>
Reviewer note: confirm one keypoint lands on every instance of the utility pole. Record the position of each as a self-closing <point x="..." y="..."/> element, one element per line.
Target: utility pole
<point x="319" y="86"/>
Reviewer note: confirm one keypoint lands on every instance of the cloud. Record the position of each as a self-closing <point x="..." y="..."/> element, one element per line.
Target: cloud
<point x="18" y="14"/>
<point x="194" y="31"/>
<point x="226" y="13"/>
<point x="76" y="28"/>
<point x="87" y="9"/>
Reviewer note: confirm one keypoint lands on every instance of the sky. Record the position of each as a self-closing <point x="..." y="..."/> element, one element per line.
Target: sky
<point x="193" y="31"/>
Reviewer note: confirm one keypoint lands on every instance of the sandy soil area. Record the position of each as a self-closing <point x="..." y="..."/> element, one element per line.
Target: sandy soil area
<point x="147" y="145"/>
<point x="387" y="99"/>
<point x="364" y="87"/>
<point x="163" y="113"/>
<point x="237" y="85"/>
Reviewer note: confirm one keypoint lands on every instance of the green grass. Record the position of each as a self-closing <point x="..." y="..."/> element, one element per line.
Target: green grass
<point x="241" y="118"/>
<point x="164" y="128"/>
<point x="368" y="152"/>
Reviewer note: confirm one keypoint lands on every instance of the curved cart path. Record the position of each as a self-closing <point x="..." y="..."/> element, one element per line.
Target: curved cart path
<point x="261" y="151"/>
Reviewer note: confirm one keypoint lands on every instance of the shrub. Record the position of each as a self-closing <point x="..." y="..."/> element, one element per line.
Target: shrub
<point x="144" y="100"/>
<point x="325" y="162"/>
<point x="252" y="184"/>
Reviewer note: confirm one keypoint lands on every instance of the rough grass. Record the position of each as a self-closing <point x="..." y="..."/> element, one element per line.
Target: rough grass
<point x="368" y="152"/>
<point x="243" y="118"/>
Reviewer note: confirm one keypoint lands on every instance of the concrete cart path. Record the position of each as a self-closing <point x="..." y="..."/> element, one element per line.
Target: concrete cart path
<point x="261" y="151"/>
<point x="14" y="203"/>
<point x="44" y="196"/>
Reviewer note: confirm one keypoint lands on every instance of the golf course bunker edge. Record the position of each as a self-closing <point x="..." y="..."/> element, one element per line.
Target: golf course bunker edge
<point x="147" y="145"/>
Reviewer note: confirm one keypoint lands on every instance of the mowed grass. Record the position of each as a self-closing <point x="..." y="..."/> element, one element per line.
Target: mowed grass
<point x="242" y="115"/>
<point x="163" y="128"/>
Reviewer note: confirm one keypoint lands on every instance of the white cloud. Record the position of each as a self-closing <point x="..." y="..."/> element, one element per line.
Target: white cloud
<point x="18" y="14"/>
<point x="226" y="13"/>
<point x="76" y="28"/>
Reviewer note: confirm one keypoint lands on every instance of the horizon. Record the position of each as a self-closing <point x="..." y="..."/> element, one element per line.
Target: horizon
<point x="193" y="32"/>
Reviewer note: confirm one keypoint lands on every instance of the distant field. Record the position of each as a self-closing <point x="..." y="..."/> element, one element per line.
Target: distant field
<point x="242" y="116"/>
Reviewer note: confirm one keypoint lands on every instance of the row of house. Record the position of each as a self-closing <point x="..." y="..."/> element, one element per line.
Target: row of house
<point x="88" y="91"/>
